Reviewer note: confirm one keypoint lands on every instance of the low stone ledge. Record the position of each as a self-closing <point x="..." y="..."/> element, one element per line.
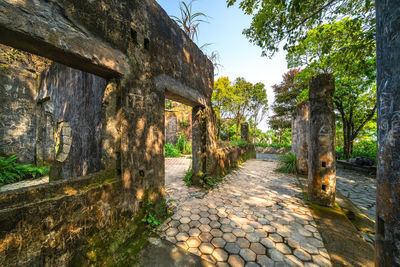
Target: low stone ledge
<point x="22" y="196"/>
<point x="231" y="156"/>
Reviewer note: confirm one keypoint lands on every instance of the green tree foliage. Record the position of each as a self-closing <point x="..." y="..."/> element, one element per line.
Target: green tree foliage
<point x="342" y="49"/>
<point x="275" y="21"/>
<point x="238" y="101"/>
<point x="286" y="99"/>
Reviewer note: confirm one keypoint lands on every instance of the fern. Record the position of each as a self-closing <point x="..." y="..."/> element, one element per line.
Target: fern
<point x="11" y="171"/>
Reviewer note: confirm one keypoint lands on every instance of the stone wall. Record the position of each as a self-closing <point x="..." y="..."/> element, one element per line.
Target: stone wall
<point x="46" y="225"/>
<point x="174" y="127"/>
<point x="230" y="157"/>
<point x="144" y="56"/>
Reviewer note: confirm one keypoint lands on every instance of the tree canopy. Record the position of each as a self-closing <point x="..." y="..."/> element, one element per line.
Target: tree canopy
<point x="275" y="21"/>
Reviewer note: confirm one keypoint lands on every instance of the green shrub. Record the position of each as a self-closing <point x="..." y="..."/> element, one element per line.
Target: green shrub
<point x="240" y="143"/>
<point x="363" y="149"/>
<point x="183" y="145"/>
<point x="287" y="163"/>
<point x="11" y="171"/>
<point x="188" y="177"/>
<point x="171" y="151"/>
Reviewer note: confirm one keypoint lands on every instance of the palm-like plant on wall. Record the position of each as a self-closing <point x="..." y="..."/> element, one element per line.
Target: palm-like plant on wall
<point x="190" y="21"/>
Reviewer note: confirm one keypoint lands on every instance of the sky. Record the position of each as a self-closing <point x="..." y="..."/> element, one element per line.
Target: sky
<point x="238" y="57"/>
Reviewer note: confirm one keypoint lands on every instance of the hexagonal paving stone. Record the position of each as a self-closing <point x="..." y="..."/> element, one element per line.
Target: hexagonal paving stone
<point x="218" y="242"/>
<point x="194" y="224"/>
<point x="224" y="220"/>
<point x="222" y="264"/>
<point x="185" y="220"/>
<point x="215" y="224"/>
<point x="235" y="261"/>
<point x="194" y="232"/>
<point x="264" y="261"/>
<point x="229" y="237"/>
<point x="216" y="232"/>
<point x="226" y="228"/>
<point x="171" y="239"/>
<point x="258" y="248"/>
<point x="206" y="248"/>
<point x="195" y="211"/>
<point x="184" y="227"/>
<point x="182" y="245"/>
<point x="213" y="217"/>
<point x="185" y="214"/>
<point x="204" y="221"/>
<point x="204" y="208"/>
<point x="220" y="254"/>
<point x="204" y="214"/>
<point x="283" y="248"/>
<point x="247" y="254"/>
<point x="174" y="223"/>
<point x="275" y="237"/>
<point x="232" y="248"/>
<point x="321" y="261"/>
<point x="182" y="237"/>
<point x="293" y="261"/>
<point x="253" y="237"/>
<point x="194" y="217"/>
<point x="238" y="232"/>
<point x="205" y="228"/>
<point x="205" y="237"/>
<point x="172" y="232"/>
<point x="252" y="264"/>
<point x="194" y="251"/>
<point x="208" y="258"/>
<point x="193" y="242"/>
<point x="243" y="242"/>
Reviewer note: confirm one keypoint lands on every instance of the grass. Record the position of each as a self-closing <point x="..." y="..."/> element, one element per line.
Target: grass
<point x="11" y="171"/>
<point x="287" y="163"/>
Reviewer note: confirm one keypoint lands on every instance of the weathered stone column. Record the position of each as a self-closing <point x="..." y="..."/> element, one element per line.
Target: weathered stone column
<point x="198" y="142"/>
<point x="388" y="177"/>
<point x="300" y="137"/>
<point x="244" y="131"/>
<point x="321" y="141"/>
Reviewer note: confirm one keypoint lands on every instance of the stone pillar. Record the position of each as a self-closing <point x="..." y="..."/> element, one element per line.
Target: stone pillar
<point x="198" y="142"/>
<point x="388" y="177"/>
<point x="300" y="137"/>
<point x="321" y="141"/>
<point x="244" y="131"/>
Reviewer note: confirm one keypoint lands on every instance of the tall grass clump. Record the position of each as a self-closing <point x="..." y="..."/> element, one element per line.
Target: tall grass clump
<point x="287" y="163"/>
<point x="171" y="151"/>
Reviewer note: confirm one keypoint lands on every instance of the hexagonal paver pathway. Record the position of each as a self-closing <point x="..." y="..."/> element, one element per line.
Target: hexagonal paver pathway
<point x="255" y="217"/>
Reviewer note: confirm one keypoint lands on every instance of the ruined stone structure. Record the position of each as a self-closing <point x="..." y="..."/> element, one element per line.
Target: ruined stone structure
<point x="388" y="172"/>
<point x="321" y="141"/>
<point x="174" y="125"/>
<point x="244" y="131"/>
<point x="300" y="137"/>
<point x="101" y="117"/>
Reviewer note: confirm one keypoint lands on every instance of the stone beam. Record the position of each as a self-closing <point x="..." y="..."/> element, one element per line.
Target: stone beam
<point x="175" y="90"/>
<point x="321" y="142"/>
<point x="388" y="177"/>
<point x="40" y="28"/>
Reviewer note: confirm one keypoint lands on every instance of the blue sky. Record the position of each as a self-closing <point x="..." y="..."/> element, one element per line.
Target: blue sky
<point x="238" y="56"/>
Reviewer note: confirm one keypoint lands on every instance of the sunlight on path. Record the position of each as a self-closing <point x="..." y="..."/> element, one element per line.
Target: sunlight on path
<point x="255" y="216"/>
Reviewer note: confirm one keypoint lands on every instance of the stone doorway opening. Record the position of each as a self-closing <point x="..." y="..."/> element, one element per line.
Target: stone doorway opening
<point x="178" y="149"/>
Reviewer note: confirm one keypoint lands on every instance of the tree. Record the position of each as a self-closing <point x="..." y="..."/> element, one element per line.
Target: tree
<point x="341" y="48"/>
<point x="275" y="21"/>
<point x="238" y="101"/>
<point x="286" y="99"/>
<point x="258" y="105"/>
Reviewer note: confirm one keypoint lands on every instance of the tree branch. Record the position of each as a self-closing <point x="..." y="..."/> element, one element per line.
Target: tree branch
<point x="370" y="116"/>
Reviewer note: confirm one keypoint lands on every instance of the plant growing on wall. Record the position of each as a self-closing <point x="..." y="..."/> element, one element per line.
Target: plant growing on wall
<point x="11" y="171"/>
